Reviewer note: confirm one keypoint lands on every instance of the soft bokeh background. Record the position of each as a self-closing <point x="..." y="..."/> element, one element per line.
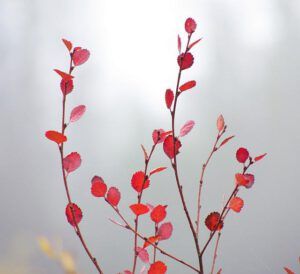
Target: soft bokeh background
<point x="247" y="68"/>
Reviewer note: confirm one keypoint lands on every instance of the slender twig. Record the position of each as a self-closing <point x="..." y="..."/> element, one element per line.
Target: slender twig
<point x="215" y="253"/>
<point x="61" y="151"/>
<point x="174" y="163"/>
<point x="214" y="149"/>
<point x="139" y="198"/>
<point x="156" y="243"/>
<point x="162" y="251"/>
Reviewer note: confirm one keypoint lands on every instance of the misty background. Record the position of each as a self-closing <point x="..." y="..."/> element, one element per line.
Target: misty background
<point x="247" y="67"/>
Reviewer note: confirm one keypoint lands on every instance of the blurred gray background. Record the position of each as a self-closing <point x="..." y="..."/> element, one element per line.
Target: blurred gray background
<point x="247" y="68"/>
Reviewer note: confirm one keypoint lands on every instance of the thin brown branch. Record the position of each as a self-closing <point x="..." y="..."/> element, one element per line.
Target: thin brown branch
<point x="215" y="254"/>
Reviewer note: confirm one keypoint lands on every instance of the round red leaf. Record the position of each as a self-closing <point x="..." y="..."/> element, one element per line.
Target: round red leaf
<point x="169" y="97"/>
<point x="71" y="162"/>
<point x="56" y="136"/>
<point x="165" y="231"/>
<point x="139" y="182"/>
<point x="77" y="214"/>
<point x="250" y="178"/>
<point x="80" y="56"/>
<point x="157" y="268"/>
<point x="113" y="196"/>
<point x="157" y="136"/>
<point x="190" y="25"/>
<point x="158" y="213"/>
<point x="241" y="179"/>
<point x="98" y="188"/>
<point x="236" y="204"/>
<point x="139" y="209"/>
<point x="212" y="221"/>
<point x="169" y="145"/>
<point x="242" y="155"/>
<point x="66" y="86"/>
<point x="185" y="60"/>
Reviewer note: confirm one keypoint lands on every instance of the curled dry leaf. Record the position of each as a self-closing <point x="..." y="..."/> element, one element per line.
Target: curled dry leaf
<point x="77" y="214"/>
<point x="185" y="60"/>
<point x="165" y="231"/>
<point x="80" y="56"/>
<point x="258" y="158"/>
<point x="220" y="123"/>
<point x="77" y="113"/>
<point x="139" y="181"/>
<point x="212" y="221"/>
<point x="139" y="209"/>
<point x="186" y="128"/>
<point x="157" y="268"/>
<point x="64" y="75"/>
<point x="187" y="85"/>
<point x="159" y="169"/>
<point x="169" y="145"/>
<point x="190" y="25"/>
<point x="66" y="86"/>
<point x="158" y="213"/>
<point x="71" y="162"/>
<point x="55" y="136"/>
<point x="169" y="97"/>
<point x="242" y="155"/>
<point x="98" y="188"/>
<point x="236" y="204"/>
<point x="68" y="44"/>
<point x="113" y="196"/>
<point x="152" y="240"/>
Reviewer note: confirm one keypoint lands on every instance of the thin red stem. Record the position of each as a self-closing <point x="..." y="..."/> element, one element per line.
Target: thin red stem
<point x="174" y="164"/>
<point x="61" y="151"/>
<point x="215" y="254"/>
<point x="155" y="247"/>
<point x="139" y="198"/>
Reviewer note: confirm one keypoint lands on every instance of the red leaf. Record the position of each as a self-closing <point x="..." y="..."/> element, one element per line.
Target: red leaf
<point x="242" y="155"/>
<point x="152" y="240"/>
<point x="77" y="112"/>
<point x="139" y="182"/>
<point x="220" y="123"/>
<point x="66" y="86"/>
<point x="158" y="213"/>
<point x="194" y="43"/>
<point x="165" y="231"/>
<point x="71" y="162"/>
<point x="157" y="135"/>
<point x="68" y="44"/>
<point x="157" y="268"/>
<point x="165" y="134"/>
<point x="143" y="254"/>
<point x="113" y="196"/>
<point x="185" y="60"/>
<point x="288" y="271"/>
<point x="226" y="140"/>
<point x="64" y="75"/>
<point x="127" y="272"/>
<point x="186" y="128"/>
<point x="169" y="97"/>
<point x="236" y="204"/>
<point x="169" y="145"/>
<point x="257" y="158"/>
<point x="190" y="25"/>
<point x="55" y="136"/>
<point x="187" y="85"/>
<point x="139" y="209"/>
<point x="159" y="169"/>
<point x="179" y="44"/>
<point x="212" y="221"/>
<point x="98" y="188"/>
<point x="77" y="214"/>
<point x="241" y="179"/>
<point x="220" y="270"/>
<point x="250" y="178"/>
<point x="80" y="56"/>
